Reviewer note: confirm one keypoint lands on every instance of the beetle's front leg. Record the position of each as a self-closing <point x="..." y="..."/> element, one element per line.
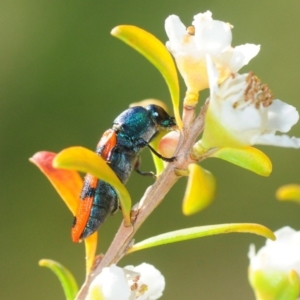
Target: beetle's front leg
<point x="136" y="168"/>
<point x="142" y="143"/>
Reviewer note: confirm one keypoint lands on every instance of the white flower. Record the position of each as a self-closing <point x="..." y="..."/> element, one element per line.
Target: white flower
<point x="150" y="278"/>
<point x="242" y="112"/>
<point x="111" y="284"/>
<point x="143" y="282"/>
<point x="274" y="271"/>
<point x="283" y="254"/>
<point x="207" y="36"/>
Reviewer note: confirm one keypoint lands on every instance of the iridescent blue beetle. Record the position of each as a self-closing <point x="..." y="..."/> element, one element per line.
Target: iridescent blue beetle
<point x="120" y="146"/>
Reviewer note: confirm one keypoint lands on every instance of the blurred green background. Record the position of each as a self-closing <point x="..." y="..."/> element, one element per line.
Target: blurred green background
<point x="63" y="80"/>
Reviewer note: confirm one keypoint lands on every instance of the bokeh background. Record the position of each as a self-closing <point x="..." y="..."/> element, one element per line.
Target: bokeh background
<point x="63" y="79"/>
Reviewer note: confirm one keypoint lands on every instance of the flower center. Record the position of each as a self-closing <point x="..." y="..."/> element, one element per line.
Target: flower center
<point x="255" y="93"/>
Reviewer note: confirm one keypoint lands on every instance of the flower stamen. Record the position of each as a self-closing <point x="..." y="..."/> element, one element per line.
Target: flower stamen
<point x="190" y="30"/>
<point x="255" y="93"/>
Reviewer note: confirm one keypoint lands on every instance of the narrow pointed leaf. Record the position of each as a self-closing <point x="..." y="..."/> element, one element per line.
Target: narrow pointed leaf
<point x="65" y="277"/>
<point x="201" y="231"/>
<point x="248" y="158"/>
<point x="156" y="52"/>
<point x="67" y="183"/>
<point x="289" y="192"/>
<point x="90" y="251"/>
<point x="84" y="160"/>
<point x="200" y="190"/>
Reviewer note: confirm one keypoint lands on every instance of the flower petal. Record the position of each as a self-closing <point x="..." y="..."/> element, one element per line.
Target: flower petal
<point x="242" y="112"/>
<point x="211" y="36"/>
<point x="175" y="30"/>
<point x="151" y="278"/>
<point x="274" y="270"/>
<point x="156" y="52"/>
<point x="281" y="116"/>
<point x="276" y="140"/>
<point x="281" y="254"/>
<point x="82" y="159"/>
<point x="207" y="36"/>
<point x="110" y="284"/>
<point x="67" y="183"/>
<point x="242" y="55"/>
<point x="200" y="190"/>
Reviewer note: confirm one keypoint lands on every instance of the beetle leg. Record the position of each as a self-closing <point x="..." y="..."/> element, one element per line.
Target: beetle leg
<point x="171" y="159"/>
<point x="142" y="143"/>
<point x="136" y="168"/>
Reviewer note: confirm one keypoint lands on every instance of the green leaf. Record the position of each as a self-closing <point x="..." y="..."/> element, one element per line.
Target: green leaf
<point x="156" y="52"/>
<point x="84" y="160"/>
<point x="201" y="231"/>
<point x="200" y="190"/>
<point x="65" y="277"/>
<point x="248" y="158"/>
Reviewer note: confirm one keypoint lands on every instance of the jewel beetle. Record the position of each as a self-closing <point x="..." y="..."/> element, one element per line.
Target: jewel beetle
<point x="120" y="146"/>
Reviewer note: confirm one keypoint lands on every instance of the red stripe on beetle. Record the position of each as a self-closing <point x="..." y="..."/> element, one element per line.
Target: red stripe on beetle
<point x="83" y="211"/>
<point x="107" y="142"/>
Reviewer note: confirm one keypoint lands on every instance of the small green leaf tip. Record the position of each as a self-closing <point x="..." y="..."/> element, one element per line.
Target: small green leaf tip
<point x="248" y="158"/>
<point x="201" y="231"/>
<point x="156" y="52"/>
<point x="65" y="277"/>
<point x="84" y="160"/>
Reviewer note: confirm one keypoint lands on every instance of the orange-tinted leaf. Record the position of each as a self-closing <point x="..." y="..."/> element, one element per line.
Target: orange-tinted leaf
<point x="156" y="52"/>
<point x="200" y="190"/>
<point x="67" y="183"/>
